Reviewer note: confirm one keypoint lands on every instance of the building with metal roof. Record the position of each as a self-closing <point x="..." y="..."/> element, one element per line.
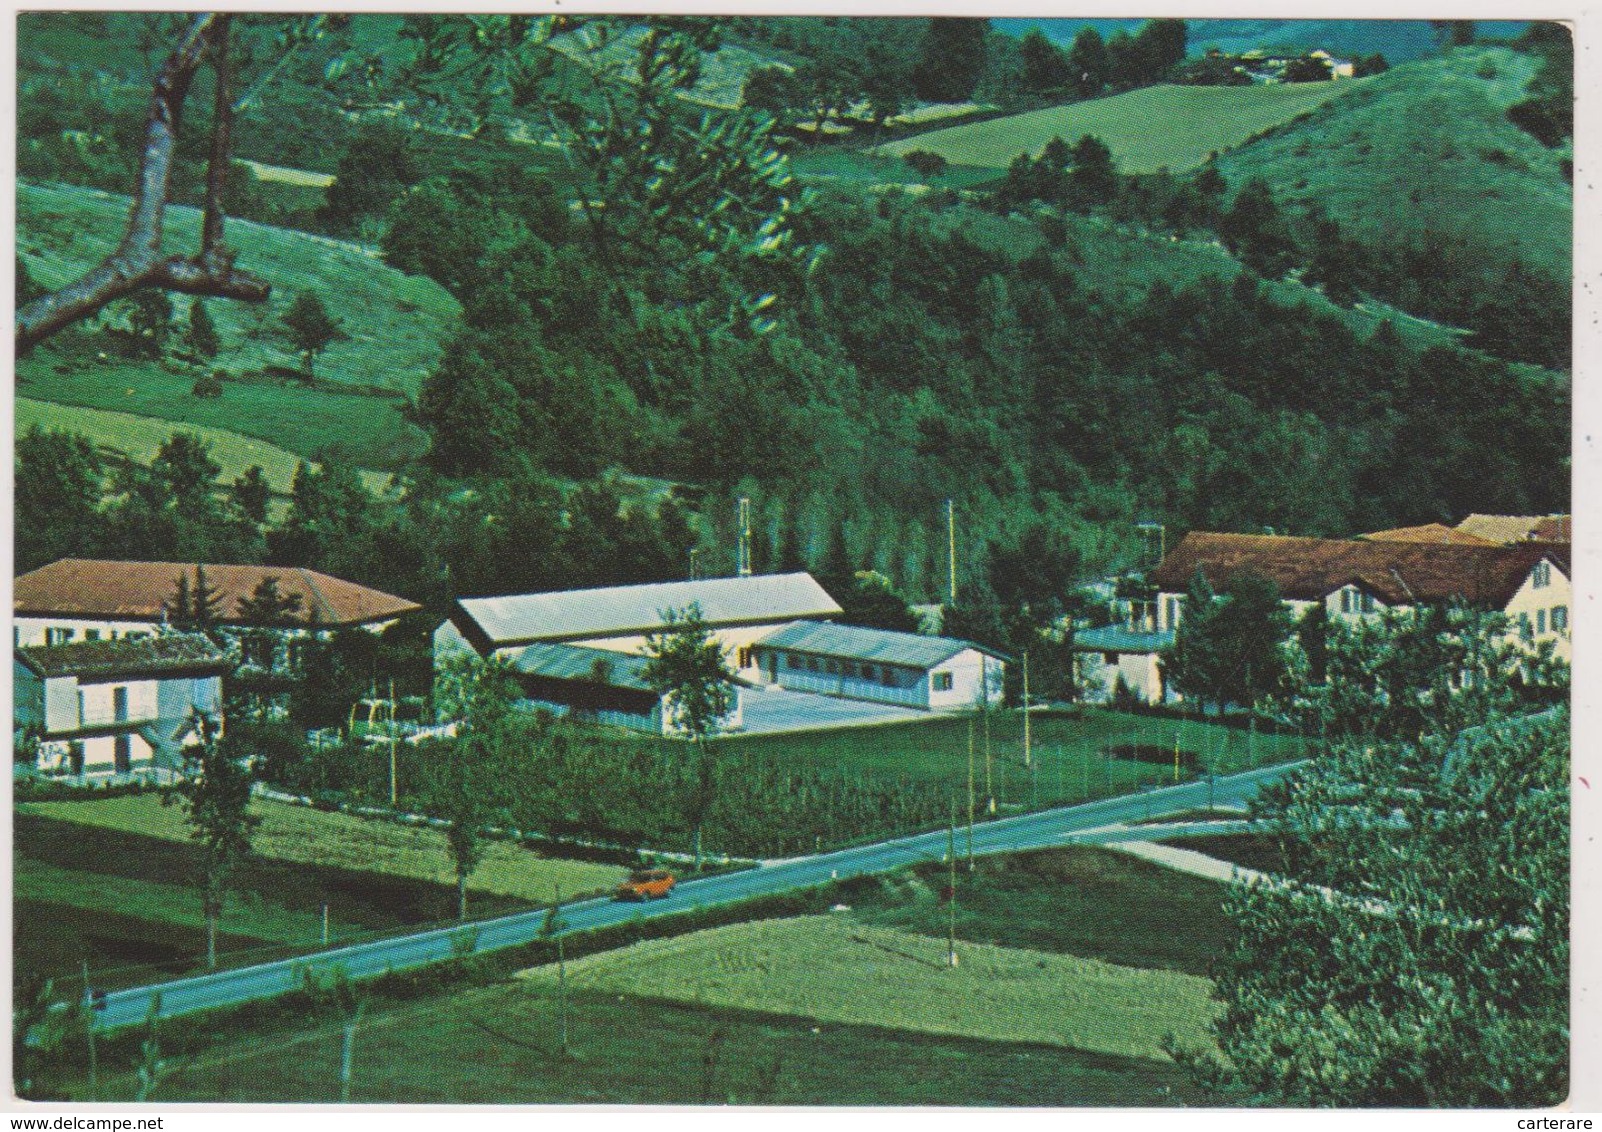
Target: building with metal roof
<point x="909" y="669"/>
<point x="620" y="619"/>
<point x="1114" y="655"/>
<point x="599" y="685"/>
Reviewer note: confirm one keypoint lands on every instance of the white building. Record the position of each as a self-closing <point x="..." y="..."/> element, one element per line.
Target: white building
<point x="116" y="707"/>
<point x="619" y="619"/>
<point x="909" y="669"/>
<point x="1106" y="657"/>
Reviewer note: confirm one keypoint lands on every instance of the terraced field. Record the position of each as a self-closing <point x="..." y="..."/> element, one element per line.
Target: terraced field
<point x="1172" y="127"/>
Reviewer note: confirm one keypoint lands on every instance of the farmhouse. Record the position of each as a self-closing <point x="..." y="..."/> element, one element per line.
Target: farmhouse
<point x="83" y="599"/>
<point x="908" y="669"/>
<point x="1510" y="529"/>
<point x="1358" y="578"/>
<point x="618" y="619"/>
<point x="116" y="707"/>
<point x="600" y="686"/>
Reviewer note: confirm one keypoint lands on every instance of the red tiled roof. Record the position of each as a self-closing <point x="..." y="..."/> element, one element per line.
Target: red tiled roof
<point x="1518" y="528"/>
<point x="140" y="591"/>
<point x="1398" y="573"/>
<point x="1429" y="532"/>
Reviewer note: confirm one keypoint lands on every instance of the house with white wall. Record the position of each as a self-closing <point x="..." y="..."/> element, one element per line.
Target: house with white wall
<point x="1111" y="655"/>
<point x="1528" y="581"/>
<point x="908" y="669"/>
<point x="126" y="706"/>
<point x="86" y="599"/>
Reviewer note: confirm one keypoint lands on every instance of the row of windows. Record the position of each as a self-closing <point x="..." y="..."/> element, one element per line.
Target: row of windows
<point x="63" y="634"/>
<point x="881" y="673"/>
<point x="1559" y="621"/>
<point x="1541" y="576"/>
<point x="1356" y="601"/>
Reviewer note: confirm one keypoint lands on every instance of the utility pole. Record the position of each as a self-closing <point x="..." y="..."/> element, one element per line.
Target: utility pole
<point x="325" y="925"/>
<point x="693" y="552"/>
<point x="561" y="968"/>
<point x="89" y="1030"/>
<point x="951" y="890"/>
<point x="951" y="550"/>
<point x="1027" y="756"/>
<point x="743" y="567"/>
<point x="990" y="790"/>
<point x="394" y="738"/>
<point x="970" y="795"/>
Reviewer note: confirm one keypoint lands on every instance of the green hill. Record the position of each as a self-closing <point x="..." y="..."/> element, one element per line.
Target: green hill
<point x="394" y="323"/>
<point x="1439" y="128"/>
<point x="1173" y="127"/>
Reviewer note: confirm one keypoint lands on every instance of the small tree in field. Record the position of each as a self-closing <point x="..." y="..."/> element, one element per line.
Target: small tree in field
<point x="201" y="336"/>
<point x="924" y="163"/>
<point x="687" y="669"/>
<point x="467" y="780"/>
<point x="311" y="328"/>
<point x="216" y="795"/>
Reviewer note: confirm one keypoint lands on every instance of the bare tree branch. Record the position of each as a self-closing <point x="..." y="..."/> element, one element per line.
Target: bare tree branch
<point x="137" y="263"/>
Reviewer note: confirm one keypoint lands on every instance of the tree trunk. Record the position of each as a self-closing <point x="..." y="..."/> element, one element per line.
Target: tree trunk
<point x="461" y="895"/>
<point x="697" y="846"/>
<point x="211" y="939"/>
<point x="347" y="1054"/>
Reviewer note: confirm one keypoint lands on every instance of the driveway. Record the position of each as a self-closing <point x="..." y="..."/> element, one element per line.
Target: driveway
<point x="770" y="711"/>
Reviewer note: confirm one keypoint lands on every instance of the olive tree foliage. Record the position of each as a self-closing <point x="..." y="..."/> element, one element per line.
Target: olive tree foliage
<point x="1418" y="952"/>
<point x="139" y="263"/>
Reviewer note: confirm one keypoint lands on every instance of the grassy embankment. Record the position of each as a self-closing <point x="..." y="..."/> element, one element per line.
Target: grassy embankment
<point x="109" y="880"/>
<point x="394" y="323"/>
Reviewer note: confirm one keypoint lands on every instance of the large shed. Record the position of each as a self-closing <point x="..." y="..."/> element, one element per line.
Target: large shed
<point x="909" y="669"/>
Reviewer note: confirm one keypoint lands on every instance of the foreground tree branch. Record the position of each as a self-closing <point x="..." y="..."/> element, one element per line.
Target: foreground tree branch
<point x="138" y="263"/>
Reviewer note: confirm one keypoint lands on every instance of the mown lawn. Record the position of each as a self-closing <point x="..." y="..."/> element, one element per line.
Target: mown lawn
<point x="1067" y="762"/>
<point x="1077" y="900"/>
<point x="499" y="1046"/>
<point x="1173" y="127"/>
<point x="316" y="837"/>
<point x="832" y="969"/>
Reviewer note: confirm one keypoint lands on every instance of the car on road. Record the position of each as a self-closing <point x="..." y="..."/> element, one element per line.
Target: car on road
<point x="647" y="884"/>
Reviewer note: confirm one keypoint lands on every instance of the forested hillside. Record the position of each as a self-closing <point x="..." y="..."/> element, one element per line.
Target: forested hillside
<point x="647" y="289"/>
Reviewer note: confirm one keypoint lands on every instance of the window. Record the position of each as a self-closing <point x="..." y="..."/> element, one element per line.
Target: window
<point x="744" y="658"/>
<point x="887" y="676"/>
<point x="1524" y="626"/>
<point x="1540" y="621"/>
<point x="868" y="672"/>
<point x="791" y="660"/>
<point x="1173" y="607"/>
<point x="122" y="754"/>
<point x="1541" y="576"/>
<point x="119" y="703"/>
<point x="941" y="681"/>
<point x="832" y="667"/>
<point x="56" y="635"/>
<point x="812" y="664"/>
<point x="91" y="634"/>
<point x="1109" y="658"/>
<point x="1560" y="617"/>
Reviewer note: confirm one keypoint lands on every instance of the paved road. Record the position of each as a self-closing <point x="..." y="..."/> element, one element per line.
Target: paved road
<point x="1027" y="831"/>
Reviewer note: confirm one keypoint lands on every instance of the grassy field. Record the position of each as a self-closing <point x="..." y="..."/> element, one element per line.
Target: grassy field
<point x="499" y="1046"/>
<point x="837" y="165"/>
<point x="1173" y="127"/>
<point x="1438" y="127"/>
<point x="674" y="1043"/>
<point x="395" y="325"/>
<point x="1067" y="760"/>
<point x="109" y="880"/>
<point x="1077" y="900"/>
<point x="832" y="969"/>
<point x="300" y="834"/>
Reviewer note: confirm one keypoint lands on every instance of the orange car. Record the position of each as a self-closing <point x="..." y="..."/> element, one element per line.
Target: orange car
<point x="646" y="884"/>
